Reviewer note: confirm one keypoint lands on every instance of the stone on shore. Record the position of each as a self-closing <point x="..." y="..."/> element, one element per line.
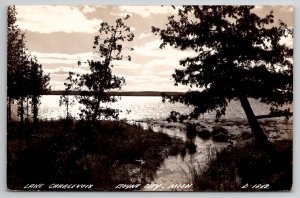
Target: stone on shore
<point x="220" y="134"/>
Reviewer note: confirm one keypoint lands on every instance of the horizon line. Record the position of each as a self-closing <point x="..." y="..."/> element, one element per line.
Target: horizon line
<point x="117" y="93"/>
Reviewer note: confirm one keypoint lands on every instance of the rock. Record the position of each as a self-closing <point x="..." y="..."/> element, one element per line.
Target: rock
<point x="220" y="134"/>
<point x="219" y="130"/>
<point x="191" y="131"/>
<point x="274" y="136"/>
<point x="140" y="162"/>
<point x="191" y="147"/>
<point x="246" y="136"/>
<point x="204" y="134"/>
<point x="220" y="138"/>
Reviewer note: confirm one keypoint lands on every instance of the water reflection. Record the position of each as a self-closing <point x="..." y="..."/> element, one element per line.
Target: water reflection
<point x="179" y="169"/>
<point x="141" y="108"/>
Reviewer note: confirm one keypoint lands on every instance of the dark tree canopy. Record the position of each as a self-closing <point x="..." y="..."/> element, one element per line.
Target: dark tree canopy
<point x="239" y="54"/>
<point x="37" y="83"/>
<point x="25" y="77"/>
<point x="16" y="55"/>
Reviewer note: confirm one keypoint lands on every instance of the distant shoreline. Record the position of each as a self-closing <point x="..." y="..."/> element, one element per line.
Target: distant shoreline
<point x="115" y="93"/>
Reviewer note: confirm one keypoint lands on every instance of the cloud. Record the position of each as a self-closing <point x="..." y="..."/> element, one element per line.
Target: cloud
<point x="48" y="19"/>
<point x="145" y="11"/>
<point x="259" y="7"/>
<point x="60" y="58"/>
<point x="66" y="70"/>
<point x="146" y="78"/>
<point x="147" y="72"/>
<point x="152" y="49"/>
<point x="121" y="14"/>
<point x="88" y="9"/>
<point x="163" y="63"/>
<point x="282" y="12"/>
<point x="143" y="35"/>
<point x="153" y="86"/>
<point x="286" y="8"/>
<point x="56" y="85"/>
<point x="124" y="64"/>
<point x="167" y="73"/>
<point x="288" y="41"/>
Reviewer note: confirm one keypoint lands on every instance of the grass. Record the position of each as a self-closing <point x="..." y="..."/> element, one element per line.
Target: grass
<point x="247" y="168"/>
<point x="66" y="151"/>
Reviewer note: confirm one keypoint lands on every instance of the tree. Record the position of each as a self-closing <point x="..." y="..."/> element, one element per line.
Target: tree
<point x="25" y="78"/>
<point x="16" y="63"/>
<point x="21" y="87"/>
<point x="65" y="98"/>
<point x="100" y="79"/>
<point x="239" y="55"/>
<point x="37" y="84"/>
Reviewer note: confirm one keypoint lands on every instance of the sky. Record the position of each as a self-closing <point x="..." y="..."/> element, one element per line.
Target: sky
<point x="60" y="36"/>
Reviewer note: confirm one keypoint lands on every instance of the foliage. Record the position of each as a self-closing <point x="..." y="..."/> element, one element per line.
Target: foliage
<point x="247" y="168"/>
<point x="100" y="78"/>
<point x="104" y="159"/>
<point x="25" y="78"/>
<point x="65" y="99"/>
<point x="239" y="55"/>
<point x="16" y="55"/>
<point x="37" y="84"/>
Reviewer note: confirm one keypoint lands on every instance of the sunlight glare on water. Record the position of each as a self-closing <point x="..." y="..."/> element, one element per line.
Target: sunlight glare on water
<point x="139" y="108"/>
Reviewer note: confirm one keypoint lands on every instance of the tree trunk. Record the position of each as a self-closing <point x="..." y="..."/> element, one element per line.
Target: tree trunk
<point x="9" y="108"/>
<point x="260" y="138"/>
<point x="27" y="110"/>
<point x="96" y="110"/>
<point x="67" y="104"/>
<point x="35" y="112"/>
<point x="21" y="112"/>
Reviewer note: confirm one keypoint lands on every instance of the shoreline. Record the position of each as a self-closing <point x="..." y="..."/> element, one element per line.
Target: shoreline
<point x="277" y="129"/>
<point x="113" y="151"/>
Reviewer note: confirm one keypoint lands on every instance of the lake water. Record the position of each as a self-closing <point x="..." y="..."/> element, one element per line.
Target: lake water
<point x="140" y="108"/>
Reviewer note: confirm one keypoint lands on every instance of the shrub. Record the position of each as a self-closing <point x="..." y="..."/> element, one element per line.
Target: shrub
<point x="235" y="167"/>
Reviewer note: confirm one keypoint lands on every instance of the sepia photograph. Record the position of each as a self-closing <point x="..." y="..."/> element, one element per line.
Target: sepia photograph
<point x="194" y="98"/>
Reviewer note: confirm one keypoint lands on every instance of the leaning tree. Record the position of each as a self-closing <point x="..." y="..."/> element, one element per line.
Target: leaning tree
<point x="239" y="55"/>
<point x="100" y="79"/>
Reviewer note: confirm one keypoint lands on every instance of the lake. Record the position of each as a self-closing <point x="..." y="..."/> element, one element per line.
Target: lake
<point x="140" y="108"/>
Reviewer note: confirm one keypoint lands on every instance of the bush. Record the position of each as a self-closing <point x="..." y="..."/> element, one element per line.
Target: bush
<point x="235" y="167"/>
<point x="204" y="134"/>
<point x="86" y="154"/>
<point x="220" y="134"/>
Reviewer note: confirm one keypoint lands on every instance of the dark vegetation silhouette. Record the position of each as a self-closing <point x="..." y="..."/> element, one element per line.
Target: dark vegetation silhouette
<point x="16" y="56"/>
<point x="109" y="45"/>
<point x="105" y="158"/>
<point x="92" y="150"/>
<point x="25" y="78"/>
<point x="247" y="168"/>
<point x="239" y="55"/>
<point x="65" y="99"/>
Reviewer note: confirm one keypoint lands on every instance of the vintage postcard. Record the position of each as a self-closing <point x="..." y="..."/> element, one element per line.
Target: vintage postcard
<point x="149" y="98"/>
